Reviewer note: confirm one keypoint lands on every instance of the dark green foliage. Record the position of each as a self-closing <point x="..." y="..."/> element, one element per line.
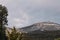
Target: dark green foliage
<point x="57" y="39"/>
<point x="14" y="35"/>
<point x="3" y="21"/>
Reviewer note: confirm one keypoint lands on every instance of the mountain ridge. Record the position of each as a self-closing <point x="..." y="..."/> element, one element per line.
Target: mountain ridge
<point x="49" y="26"/>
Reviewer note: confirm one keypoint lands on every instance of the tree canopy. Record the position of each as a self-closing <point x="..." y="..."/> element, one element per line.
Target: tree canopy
<point x="3" y="21"/>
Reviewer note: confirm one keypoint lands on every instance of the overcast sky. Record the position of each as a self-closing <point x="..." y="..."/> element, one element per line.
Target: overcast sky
<point x="27" y="12"/>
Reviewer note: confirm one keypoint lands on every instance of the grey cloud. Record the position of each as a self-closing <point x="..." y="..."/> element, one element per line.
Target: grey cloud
<point x="32" y="10"/>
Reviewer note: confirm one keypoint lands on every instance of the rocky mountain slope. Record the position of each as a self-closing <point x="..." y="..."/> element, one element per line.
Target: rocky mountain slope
<point x="42" y="26"/>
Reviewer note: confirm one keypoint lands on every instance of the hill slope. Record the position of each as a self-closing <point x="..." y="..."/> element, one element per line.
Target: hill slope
<point x="48" y="26"/>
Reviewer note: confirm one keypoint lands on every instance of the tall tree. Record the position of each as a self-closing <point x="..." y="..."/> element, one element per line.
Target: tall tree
<point x="3" y="21"/>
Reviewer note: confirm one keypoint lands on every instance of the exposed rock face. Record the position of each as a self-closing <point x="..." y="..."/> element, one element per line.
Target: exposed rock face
<point x="42" y="31"/>
<point x="49" y="26"/>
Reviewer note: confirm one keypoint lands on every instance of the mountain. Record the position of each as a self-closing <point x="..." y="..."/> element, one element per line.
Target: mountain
<point x="41" y="26"/>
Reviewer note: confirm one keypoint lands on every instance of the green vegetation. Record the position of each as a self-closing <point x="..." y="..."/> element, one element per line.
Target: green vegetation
<point x="57" y="39"/>
<point x="3" y="22"/>
<point x="17" y="35"/>
<point x="14" y="35"/>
